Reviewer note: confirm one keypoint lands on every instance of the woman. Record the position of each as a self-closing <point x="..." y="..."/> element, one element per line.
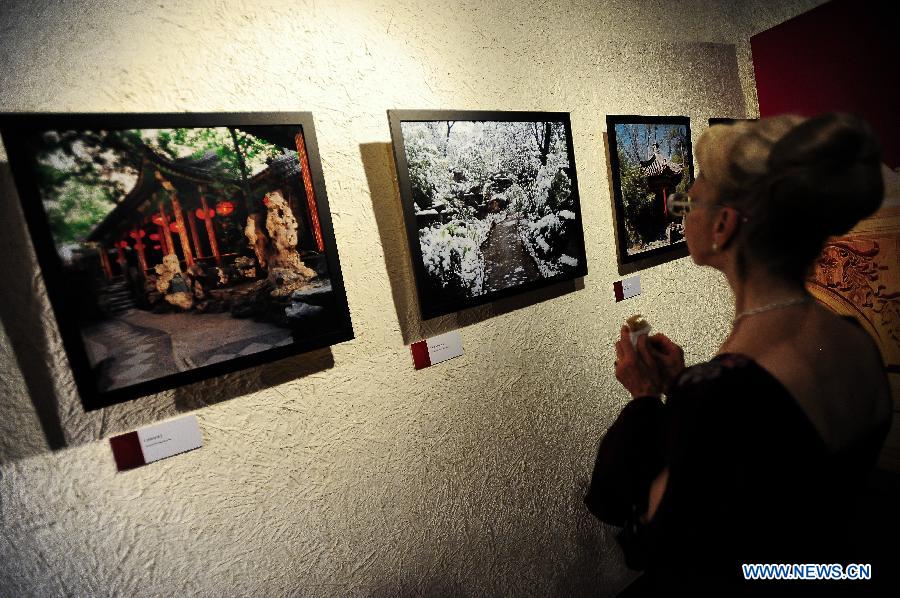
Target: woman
<point x="755" y="455"/>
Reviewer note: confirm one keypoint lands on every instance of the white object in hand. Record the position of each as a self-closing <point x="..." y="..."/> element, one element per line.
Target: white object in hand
<point x="637" y="327"/>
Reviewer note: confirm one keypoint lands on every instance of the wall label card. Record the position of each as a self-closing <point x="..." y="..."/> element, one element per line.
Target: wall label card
<point x="627" y="288"/>
<point x="156" y="442"/>
<point x="436" y="349"/>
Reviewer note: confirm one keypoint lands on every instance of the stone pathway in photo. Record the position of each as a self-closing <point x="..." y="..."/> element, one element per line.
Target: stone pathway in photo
<point x="126" y="353"/>
<point x="263" y="342"/>
<point x="506" y="261"/>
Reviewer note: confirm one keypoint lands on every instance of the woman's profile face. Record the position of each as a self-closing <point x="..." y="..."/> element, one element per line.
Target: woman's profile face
<point x="698" y="223"/>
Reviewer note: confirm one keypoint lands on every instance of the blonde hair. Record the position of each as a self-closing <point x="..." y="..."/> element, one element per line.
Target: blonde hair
<point x="798" y="181"/>
<point x="730" y="155"/>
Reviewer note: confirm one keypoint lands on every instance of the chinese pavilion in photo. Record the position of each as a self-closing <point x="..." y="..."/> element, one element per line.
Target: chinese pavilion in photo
<point x="197" y="210"/>
<point x="662" y="176"/>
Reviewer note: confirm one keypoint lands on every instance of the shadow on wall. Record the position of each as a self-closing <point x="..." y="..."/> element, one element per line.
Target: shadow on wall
<point x="21" y="310"/>
<point x="237" y="384"/>
<point x="41" y="404"/>
<point x="381" y="175"/>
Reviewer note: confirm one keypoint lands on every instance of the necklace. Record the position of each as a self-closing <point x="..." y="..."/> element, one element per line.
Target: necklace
<point x="769" y="307"/>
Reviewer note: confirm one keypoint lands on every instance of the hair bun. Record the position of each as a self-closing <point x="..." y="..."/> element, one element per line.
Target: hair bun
<point x="827" y="170"/>
<point x="798" y="180"/>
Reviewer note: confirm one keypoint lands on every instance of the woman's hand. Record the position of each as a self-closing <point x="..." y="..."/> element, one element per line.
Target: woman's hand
<point x="637" y="370"/>
<point x="668" y="357"/>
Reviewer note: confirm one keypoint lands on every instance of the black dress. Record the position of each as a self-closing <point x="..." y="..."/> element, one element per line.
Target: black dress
<point x="750" y="481"/>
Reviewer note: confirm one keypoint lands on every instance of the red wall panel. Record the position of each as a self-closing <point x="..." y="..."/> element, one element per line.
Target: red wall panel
<point x="843" y="55"/>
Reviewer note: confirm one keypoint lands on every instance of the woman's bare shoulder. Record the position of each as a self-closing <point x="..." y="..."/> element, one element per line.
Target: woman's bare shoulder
<point x="849" y="394"/>
<point x="834" y="371"/>
<point x="845" y="342"/>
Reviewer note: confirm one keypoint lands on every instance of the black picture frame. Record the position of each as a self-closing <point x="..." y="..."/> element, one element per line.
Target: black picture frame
<point x="24" y="133"/>
<point x="724" y="120"/>
<point x="434" y="301"/>
<point x="659" y="250"/>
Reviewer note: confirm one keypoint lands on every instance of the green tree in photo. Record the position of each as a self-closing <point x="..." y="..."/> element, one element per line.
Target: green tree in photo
<point x="83" y="175"/>
<point x="89" y="158"/>
<point x="76" y="212"/>
<point x="677" y="143"/>
<point x="637" y="201"/>
<point x="196" y="143"/>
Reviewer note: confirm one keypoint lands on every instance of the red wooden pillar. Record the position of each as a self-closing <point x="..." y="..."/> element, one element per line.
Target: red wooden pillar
<point x="139" y="247"/>
<point x="162" y="240"/>
<point x="168" y="246"/>
<point x="179" y="218"/>
<point x="310" y="192"/>
<point x="192" y="220"/>
<point x="210" y="231"/>
<point x="104" y="262"/>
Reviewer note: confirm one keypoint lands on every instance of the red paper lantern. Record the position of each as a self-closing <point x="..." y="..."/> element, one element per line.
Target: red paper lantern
<point x="157" y="247"/>
<point x="157" y="219"/>
<point x="123" y="244"/>
<point x="203" y="216"/>
<point x="224" y="208"/>
<point x="154" y="236"/>
<point x="138" y="234"/>
<point x="173" y="226"/>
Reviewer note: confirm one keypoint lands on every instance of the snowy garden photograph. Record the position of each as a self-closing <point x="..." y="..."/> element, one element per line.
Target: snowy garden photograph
<point x="651" y="159"/>
<point x="494" y="206"/>
<point x="183" y="247"/>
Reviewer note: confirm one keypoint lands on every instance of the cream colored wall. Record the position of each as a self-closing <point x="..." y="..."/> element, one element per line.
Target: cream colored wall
<point x="345" y="472"/>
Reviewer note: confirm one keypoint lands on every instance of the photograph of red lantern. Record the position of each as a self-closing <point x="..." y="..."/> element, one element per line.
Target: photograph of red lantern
<point x="242" y="268"/>
<point x="224" y="208"/>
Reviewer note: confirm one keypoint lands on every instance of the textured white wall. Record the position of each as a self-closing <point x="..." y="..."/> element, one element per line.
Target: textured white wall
<point x="345" y="472"/>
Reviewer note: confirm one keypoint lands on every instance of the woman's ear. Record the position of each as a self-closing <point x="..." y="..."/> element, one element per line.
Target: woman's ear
<point x="726" y="226"/>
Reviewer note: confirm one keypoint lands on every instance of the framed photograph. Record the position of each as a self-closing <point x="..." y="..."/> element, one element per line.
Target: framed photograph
<point x="176" y="247"/>
<point x="490" y="201"/>
<point x="650" y="158"/>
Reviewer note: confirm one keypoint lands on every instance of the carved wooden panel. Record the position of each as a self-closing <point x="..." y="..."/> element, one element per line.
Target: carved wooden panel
<point x="859" y="275"/>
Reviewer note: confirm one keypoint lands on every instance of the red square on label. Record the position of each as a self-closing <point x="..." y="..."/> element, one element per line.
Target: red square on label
<point x="127" y="451"/>
<point x="421" y="358"/>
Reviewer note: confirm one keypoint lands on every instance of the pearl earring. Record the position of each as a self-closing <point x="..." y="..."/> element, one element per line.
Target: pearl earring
<point x="715" y="246"/>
